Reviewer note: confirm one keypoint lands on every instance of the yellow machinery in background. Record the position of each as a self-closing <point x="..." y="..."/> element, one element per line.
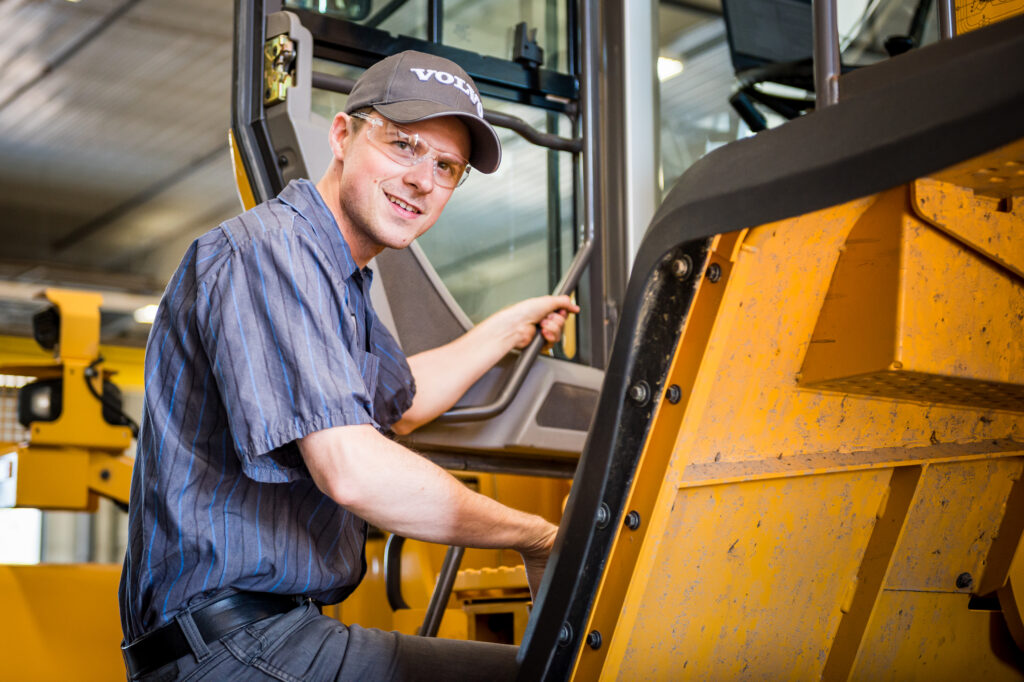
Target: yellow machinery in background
<point x="58" y="617"/>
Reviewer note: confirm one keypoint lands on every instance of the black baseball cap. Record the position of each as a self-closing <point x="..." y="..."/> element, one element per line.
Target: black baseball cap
<point x="414" y="86"/>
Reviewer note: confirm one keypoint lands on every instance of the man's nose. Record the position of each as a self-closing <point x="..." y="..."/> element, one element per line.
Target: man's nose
<point x="421" y="175"/>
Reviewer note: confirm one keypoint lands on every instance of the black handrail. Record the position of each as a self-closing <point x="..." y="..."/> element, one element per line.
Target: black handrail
<point x="528" y="355"/>
<point x="442" y="591"/>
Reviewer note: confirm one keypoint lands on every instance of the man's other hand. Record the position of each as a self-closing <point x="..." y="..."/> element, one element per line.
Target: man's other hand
<point x="547" y="313"/>
<point x="535" y="557"/>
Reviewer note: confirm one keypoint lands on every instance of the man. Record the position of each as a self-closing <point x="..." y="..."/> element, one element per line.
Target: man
<point x="270" y="385"/>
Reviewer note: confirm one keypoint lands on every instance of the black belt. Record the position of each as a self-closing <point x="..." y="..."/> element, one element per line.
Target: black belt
<point x="215" y="620"/>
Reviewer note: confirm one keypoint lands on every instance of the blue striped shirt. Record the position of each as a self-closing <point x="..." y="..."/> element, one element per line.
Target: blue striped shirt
<point x="265" y="334"/>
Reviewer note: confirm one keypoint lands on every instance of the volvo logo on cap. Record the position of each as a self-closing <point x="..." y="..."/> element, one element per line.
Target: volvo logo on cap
<point x="446" y="78"/>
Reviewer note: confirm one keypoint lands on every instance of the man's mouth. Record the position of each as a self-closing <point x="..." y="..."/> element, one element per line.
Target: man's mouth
<point x="401" y="204"/>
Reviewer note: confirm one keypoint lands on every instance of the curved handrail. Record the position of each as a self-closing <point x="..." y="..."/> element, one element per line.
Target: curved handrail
<point x="528" y="355"/>
<point x="393" y="572"/>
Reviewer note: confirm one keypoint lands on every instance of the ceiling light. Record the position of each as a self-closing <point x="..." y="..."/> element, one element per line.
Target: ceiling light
<point x="13" y="381"/>
<point x="146" y="314"/>
<point x="668" y="68"/>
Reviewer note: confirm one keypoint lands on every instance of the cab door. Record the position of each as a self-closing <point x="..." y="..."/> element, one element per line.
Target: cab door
<point x="519" y="232"/>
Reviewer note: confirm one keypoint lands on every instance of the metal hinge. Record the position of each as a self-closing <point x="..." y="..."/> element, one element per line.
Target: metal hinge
<point x="278" y="69"/>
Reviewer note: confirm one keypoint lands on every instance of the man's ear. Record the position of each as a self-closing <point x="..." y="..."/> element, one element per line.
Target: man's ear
<point x="341" y="128"/>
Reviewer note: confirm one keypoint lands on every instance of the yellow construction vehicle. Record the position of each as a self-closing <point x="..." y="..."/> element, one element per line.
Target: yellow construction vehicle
<point x="59" y="616"/>
<point x="795" y="439"/>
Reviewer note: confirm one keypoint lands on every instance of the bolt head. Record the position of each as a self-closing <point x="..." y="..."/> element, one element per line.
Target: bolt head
<point x="714" y="272"/>
<point x="565" y="635"/>
<point x="674" y="394"/>
<point x="964" y="581"/>
<point x="640" y="392"/>
<point x="594" y="639"/>
<point x="681" y="267"/>
<point x="604" y="515"/>
<point x="632" y="520"/>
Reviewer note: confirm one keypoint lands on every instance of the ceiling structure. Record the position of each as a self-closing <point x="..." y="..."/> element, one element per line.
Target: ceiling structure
<point x="113" y="148"/>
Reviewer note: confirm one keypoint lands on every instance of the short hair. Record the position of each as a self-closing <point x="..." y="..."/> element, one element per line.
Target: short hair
<point x="357" y="123"/>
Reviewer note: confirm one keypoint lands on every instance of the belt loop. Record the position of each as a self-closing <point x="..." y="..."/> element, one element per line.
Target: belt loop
<point x="192" y="636"/>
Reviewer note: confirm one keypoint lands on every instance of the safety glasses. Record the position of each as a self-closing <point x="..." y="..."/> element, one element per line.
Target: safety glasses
<point x="406" y="148"/>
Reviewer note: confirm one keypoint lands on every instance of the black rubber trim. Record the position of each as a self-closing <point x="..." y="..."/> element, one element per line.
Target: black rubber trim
<point x="922" y="112"/>
<point x="393" y="572"/>
<point x="609" y="461"/>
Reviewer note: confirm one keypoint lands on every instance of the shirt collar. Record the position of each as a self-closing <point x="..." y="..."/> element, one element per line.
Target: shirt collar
<point x="303" y="196"/>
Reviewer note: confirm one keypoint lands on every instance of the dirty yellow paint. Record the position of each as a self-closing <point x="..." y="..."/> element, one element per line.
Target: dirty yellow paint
<point x="912" y="314"/>
<point x="932" y="636"/>
<point x="786" y="526"/>
<point x="974" y="14"/>
<point x="989" y="225"/>
<point x="763" y="590"/>
<point x="941" y="544"/>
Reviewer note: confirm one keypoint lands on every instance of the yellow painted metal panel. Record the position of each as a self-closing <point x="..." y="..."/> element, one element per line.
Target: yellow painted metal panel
<point x="754" y="405"/>
<point x="54" y="478"/>
<point x="750" y="577"/>
<point x="60" y="622"/>
<point x="935" y="636"/>
<point x="745" y="417"/>
<point x="986" y="224"/>
<point x="952" y="526"/>
<point x="947" y="325"/>
<point x="974" y="14"/>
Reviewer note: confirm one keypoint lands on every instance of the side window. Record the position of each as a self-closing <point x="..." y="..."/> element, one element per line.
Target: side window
<point x="697" y="72"/>
<point x="508" y="235"/>
<point x="512" y="234"/>
<point x="483" y="26"/>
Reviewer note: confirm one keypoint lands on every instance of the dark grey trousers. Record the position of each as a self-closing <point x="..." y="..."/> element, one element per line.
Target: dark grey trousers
<point x="302" y="645"/>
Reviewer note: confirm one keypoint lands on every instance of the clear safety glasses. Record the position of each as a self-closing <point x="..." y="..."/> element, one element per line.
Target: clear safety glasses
<point x="408" y="149"/>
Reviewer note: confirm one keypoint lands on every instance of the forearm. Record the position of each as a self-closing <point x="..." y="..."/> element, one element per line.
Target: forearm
<point x="401" y="492"/>
<point x="445" y="373"/>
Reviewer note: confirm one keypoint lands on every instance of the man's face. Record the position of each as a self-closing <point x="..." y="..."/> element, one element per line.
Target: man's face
<point x="386" y="204"/>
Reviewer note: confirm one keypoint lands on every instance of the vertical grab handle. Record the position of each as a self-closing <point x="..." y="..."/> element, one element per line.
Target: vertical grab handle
<point x="528" y="355"/>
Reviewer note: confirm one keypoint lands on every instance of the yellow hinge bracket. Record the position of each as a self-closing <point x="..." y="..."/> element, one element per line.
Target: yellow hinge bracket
<point x="278" y="69"/>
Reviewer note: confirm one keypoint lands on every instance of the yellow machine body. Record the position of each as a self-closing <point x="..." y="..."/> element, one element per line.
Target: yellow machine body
<point x="60" y="622"/>
<point x="837" y="495"/>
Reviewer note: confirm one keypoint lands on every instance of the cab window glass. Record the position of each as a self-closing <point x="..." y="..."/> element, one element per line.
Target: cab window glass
<point x="697" y="75"/>
<point x="486" y="27"/>
<point x="507" y="235"/>
<point x="504" y="236"/>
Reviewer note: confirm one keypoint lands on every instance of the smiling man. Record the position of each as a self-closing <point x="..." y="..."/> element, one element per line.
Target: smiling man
<point x="271" y="386"/>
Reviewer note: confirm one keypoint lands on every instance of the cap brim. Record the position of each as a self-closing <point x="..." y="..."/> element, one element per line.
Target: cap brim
<point x="485" y="148"/>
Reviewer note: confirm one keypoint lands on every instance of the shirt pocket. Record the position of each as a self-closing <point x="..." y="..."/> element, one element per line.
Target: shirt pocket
<point x="369" y="366"/>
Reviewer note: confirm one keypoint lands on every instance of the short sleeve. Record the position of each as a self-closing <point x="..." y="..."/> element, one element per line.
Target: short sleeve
<point x="271" y="324"/>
